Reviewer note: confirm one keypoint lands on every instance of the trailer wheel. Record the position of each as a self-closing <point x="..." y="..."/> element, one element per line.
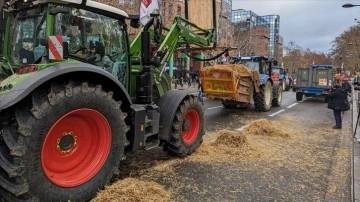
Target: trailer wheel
<point x="187" y="128"/>
<point x="278" y="96"/>
<point x="299" y="96"/>
<point x="229" y="104"/>
<point x="263" y="99"/>
<point x="64" y="144"/>
<point x="326" y="99"/>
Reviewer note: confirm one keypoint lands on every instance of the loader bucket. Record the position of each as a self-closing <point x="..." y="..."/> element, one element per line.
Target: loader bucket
<point x="227" y="82"/>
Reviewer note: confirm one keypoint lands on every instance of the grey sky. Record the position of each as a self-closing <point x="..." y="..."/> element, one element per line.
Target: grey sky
<point x="311" y="24"/>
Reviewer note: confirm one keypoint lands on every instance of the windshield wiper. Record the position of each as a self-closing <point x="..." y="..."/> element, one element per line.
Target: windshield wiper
<point x="25" y="17"/>
<point x="86" y="60"/>
<point x="8" y="63"/>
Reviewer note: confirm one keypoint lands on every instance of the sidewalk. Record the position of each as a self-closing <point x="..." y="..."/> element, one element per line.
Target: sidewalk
<point x="356" y="148"/>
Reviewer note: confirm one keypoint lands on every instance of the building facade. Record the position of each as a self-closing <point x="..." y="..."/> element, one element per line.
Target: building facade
<point x="264" y="31"/>
<point x="273" y="24"/>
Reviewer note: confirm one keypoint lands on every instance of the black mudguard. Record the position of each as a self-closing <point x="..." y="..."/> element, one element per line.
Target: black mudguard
<point x="36" y="79"/>
<point x="169" y="104"/>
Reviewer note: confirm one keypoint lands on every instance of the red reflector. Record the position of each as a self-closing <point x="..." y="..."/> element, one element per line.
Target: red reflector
<point x="26" y="69"/>
<point x="275" y="76"/>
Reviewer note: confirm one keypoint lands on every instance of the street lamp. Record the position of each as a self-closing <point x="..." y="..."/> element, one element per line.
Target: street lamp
<point x="348" y="5"/>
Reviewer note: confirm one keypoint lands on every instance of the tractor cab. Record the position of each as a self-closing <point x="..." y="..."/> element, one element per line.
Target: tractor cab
<point x="256" y="63"/>
<point x="44" y="34"/>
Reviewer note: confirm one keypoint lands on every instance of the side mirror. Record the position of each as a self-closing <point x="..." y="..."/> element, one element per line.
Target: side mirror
<point x="135" y="23"/>
<point x="134" y="20"/>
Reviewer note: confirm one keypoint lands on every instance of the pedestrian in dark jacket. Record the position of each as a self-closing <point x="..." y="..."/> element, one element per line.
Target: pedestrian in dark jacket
<point x="346" y="85"/>
<point x="337" y="102"/>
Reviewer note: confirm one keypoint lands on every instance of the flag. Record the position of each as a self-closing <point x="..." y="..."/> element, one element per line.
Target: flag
<point x="146" y="8"/>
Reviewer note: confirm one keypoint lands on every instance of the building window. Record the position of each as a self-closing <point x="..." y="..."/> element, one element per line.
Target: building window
<point x="132" y="3"/>
<point x="122" y="2"/>
<point x="179" y="11"/>
<point x="170" y="10"/>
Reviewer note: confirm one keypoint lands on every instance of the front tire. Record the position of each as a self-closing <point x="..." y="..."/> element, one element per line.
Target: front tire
<point x="187" y="128"/>
<point x="278" y="95"/>
<point x="283" y="84"/>
<point x="71" y="138"/>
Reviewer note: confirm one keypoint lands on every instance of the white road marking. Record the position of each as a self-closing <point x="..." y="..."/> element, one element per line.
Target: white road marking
<point x="215" y="107"/>
<point x="271" y="115"/>
<point x="278" y="112"/>
<point x="291" y="105"/>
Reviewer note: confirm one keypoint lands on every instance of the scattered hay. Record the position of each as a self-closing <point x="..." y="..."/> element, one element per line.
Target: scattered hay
<point x="280" y="152"/>
<point x="230" y="138"/>
<point x="131" y="189"/>
<point x="266" y="128"/>
<point x="236" y="69"/>
<point x="241" y="145"/>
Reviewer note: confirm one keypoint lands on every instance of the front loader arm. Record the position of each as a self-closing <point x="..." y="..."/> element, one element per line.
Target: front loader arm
<point x="181" y="32"/>
<point x="184" y="32"/>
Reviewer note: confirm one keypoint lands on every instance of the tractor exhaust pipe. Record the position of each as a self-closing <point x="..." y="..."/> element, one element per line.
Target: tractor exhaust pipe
<point x="214" y="19"/>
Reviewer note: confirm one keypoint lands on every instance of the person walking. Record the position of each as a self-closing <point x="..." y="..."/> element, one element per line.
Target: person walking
<point x="346" y="85"/>
<point x="181" y="82"/>
<point x="337" y="102"/>
<point x="200" y="93"/>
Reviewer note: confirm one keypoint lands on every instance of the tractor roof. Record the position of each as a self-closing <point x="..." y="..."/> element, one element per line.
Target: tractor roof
<point x="322" y="66"/>
<point x="277" y="67"/>
<point x="81" y="3"/>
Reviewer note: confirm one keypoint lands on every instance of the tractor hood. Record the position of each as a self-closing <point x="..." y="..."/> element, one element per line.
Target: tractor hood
<point x="17" y="86"/>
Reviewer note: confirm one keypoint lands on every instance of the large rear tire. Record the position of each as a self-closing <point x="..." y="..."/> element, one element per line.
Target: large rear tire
<point x="187" y="128"/>
<point x="64" y="144"/>
<point x="263" y="99"/>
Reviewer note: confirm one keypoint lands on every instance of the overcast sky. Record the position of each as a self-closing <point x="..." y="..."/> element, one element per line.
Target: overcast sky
<point x="311" y="24"/>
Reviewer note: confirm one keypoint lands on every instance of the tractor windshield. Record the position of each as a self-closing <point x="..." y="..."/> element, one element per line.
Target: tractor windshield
<point x="252" y="65"/>
<point x="94" y="38"/>
<point x="26" y="29"/>
<point x="277" y="70"/>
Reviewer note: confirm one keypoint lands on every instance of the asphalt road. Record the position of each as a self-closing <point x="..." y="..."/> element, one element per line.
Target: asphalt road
<point x="314" y="164"/>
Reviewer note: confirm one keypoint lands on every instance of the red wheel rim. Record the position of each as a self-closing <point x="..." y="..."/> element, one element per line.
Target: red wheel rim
<point x="191" y="130"/>
<point x="76" y="147"/>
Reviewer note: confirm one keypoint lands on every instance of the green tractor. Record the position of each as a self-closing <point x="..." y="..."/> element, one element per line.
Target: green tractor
<point x="76" y="97"/>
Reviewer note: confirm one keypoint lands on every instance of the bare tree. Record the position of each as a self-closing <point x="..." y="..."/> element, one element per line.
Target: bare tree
<point x="296" y="57"/>
<point x="346" y="49"/>
<point x="242" y="41"/>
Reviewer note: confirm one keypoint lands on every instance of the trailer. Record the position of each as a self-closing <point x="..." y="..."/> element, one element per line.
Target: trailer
<point x="238" y="85"/>
<point x="314" y="81"/>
